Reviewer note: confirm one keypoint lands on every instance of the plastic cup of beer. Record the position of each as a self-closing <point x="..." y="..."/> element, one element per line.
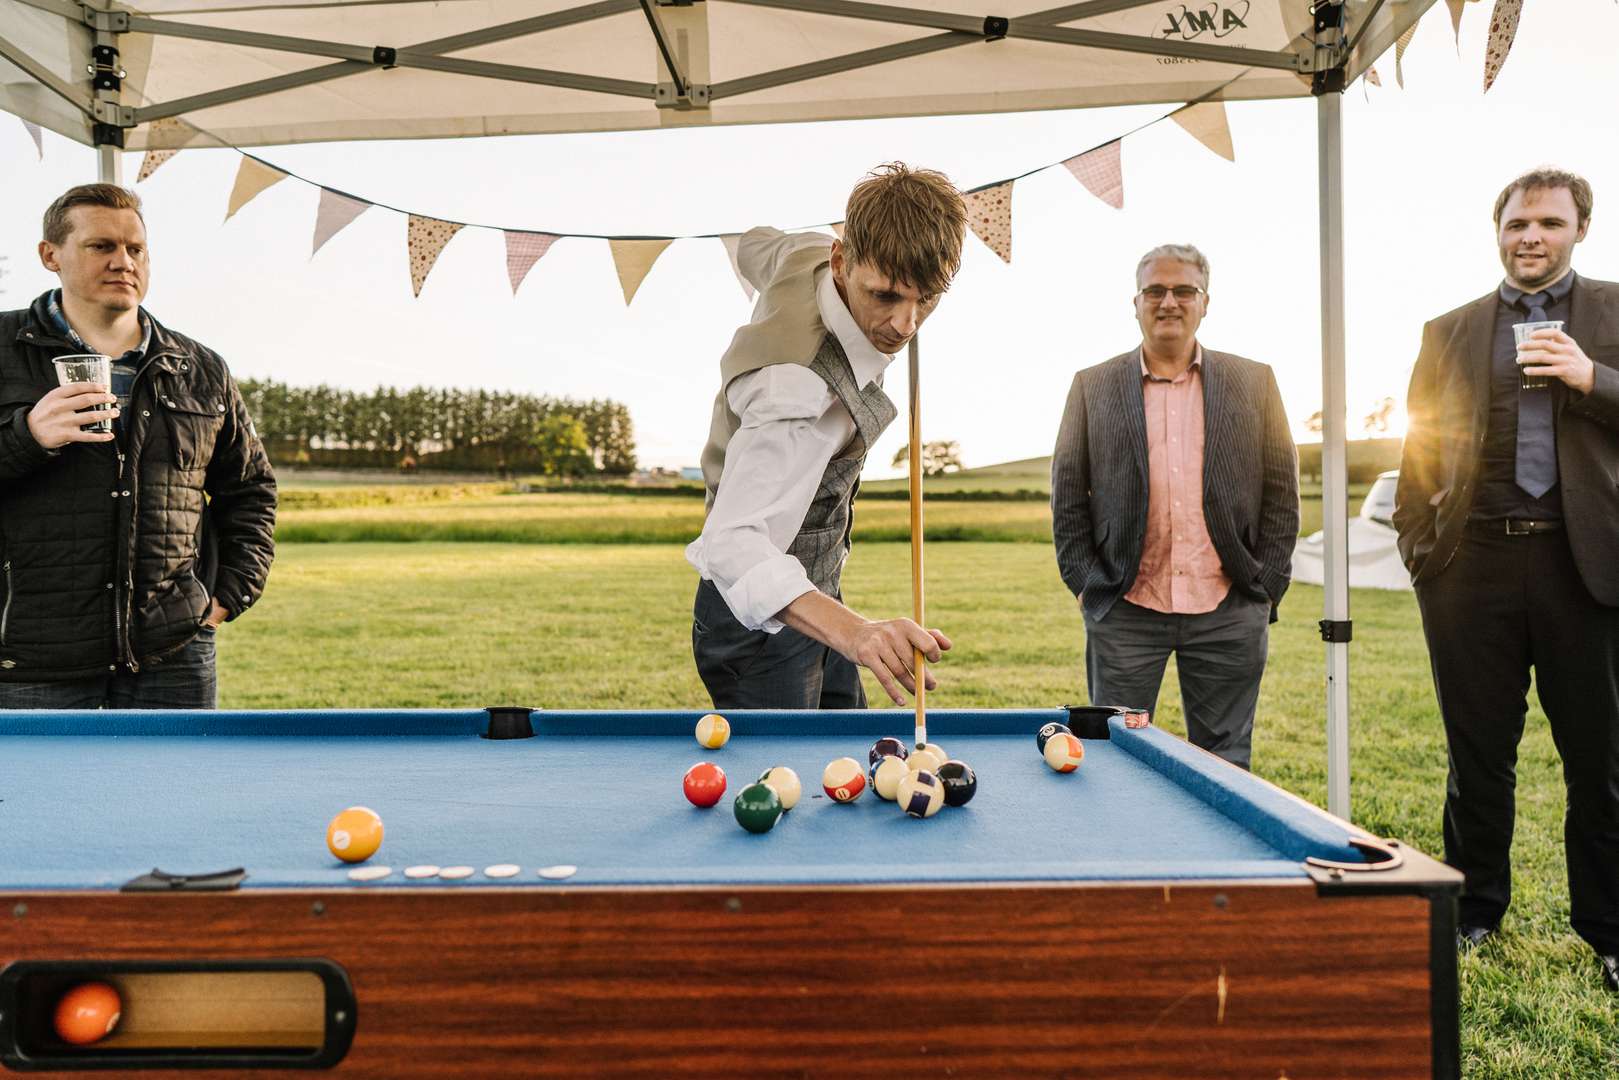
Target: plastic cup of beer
<point x="1520" y="334"/>
<point x="86" y="368"/>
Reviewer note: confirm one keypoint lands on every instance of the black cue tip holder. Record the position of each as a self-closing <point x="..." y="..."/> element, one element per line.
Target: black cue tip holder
<point x="509" y="722"/>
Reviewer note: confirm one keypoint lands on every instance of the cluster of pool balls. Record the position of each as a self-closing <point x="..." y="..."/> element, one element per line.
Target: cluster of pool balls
<point x="920" y="781"/>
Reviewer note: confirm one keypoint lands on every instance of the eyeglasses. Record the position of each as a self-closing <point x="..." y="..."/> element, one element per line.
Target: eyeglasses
<point x="1184" y="294"/>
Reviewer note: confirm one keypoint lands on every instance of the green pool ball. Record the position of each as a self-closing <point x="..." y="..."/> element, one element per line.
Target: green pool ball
<point x="757" y="808"/>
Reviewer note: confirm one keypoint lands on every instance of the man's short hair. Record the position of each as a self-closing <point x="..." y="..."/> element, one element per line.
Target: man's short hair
<point x="1184" y="253"/>
<point x="1546" y="179"/>
<point x="908" y="224"/>
<point x="113" y="197"/>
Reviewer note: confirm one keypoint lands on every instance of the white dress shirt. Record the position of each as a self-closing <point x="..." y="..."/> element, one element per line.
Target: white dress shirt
<point x="792" y="425"/>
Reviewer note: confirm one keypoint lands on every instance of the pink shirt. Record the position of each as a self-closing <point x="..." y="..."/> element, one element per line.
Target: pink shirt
<point x="1180" y="572"/>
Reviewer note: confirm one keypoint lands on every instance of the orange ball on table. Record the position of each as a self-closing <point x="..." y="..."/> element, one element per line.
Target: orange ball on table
<point x="355" y="834"/>
<point x="88" y="1013"/>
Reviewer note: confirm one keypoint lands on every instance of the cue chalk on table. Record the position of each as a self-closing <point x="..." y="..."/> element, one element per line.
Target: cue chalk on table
<point x="159" y="881"/>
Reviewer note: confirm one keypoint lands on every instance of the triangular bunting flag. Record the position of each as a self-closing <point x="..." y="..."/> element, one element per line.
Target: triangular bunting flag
<point x="251" y="179"/>
<point x="1400" y="46"/>
<point x="37" y="135"/>
<point x="1206" y="122"/>
<point x="427" y="237"/>
<point x="730" y="240"/>
<point x="523" y="250"/>
<point x="1102" y="172"/>
<point x="1373" y="77"/>
<point x="152" y="161"/>
<point x="634" y="259"/>
<point x="989" y="215"/>
<point x="1503" y="28"/>
<point x="334" y="214"/>
<point x="1456" y="20"/>
<point x="837" y="229"/>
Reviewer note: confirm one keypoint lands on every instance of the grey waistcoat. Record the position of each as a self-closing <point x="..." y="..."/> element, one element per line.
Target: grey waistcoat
<point x="822" y="543"/>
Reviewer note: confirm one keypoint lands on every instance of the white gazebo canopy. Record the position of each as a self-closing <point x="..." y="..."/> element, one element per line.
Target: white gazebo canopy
<point x="183" y="73"/>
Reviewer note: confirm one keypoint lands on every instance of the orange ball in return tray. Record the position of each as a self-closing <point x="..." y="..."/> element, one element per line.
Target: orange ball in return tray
<point x="88" y="1013"/>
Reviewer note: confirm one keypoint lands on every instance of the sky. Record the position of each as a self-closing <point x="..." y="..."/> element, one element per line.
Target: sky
<point x="1422" y="168"/>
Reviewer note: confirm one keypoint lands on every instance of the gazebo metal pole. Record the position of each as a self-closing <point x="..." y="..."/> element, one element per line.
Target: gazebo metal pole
<point x="1334" y="474"/>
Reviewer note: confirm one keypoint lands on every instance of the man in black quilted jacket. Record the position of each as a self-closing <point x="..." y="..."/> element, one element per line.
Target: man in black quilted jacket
<point x="120" y="553"/>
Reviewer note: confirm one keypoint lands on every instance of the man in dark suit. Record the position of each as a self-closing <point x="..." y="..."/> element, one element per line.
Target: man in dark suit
<point x="1175" y="509"/>
<point x="1508" y="514"/>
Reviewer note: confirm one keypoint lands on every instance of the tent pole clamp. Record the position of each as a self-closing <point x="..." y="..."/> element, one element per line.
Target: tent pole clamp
<point x="106" y="22"/>
<point x="1337" y="631"/>
<point x="1331" y="51"/>
<point x="667" y="95"/>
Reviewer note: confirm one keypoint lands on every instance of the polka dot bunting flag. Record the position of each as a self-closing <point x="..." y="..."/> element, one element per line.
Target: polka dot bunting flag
<point x="427" y="239"/>
<point x="989" y="214"/>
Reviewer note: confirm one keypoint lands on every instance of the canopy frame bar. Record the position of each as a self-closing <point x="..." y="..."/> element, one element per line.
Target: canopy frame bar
<point x="79" y="99"/>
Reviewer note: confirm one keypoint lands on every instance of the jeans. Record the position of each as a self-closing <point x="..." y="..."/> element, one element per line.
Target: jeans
<point x="183" y="680"/>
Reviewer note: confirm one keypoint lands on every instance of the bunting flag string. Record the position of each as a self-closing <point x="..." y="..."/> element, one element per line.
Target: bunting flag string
<point x="425" y="239"/>
<point x="523" y="250"/>
<point x="1503" y="28"/>
<point x="1100" y="170"/>
<point x="633" y="260"/>
<point x="335" y="212"/>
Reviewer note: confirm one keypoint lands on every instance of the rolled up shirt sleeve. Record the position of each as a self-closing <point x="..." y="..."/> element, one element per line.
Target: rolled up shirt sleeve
<point x="773" y="468"/>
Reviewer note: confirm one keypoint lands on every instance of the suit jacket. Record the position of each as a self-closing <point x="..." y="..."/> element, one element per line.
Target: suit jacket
<point x="1448" y="406"/>
<point x="1099" y="479"/>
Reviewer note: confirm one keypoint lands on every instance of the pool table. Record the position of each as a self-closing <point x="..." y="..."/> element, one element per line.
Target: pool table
<point x="1155" y="913"/>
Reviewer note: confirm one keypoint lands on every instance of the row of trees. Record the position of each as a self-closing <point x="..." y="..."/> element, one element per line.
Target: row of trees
<point x="441" y="428"/>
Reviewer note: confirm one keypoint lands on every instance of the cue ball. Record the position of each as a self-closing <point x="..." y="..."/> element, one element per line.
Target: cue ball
<point x="885" y="746"/>
<point x="1047" y="731"/>
<point x="88" y="1013"/>
<point x="355" y="834"/>
<point x="704" y="783"/>
<point x="960" y="782"/>
<point x="786" y="784"/>
<point x="713" y="731"/>
<point x="924" y="759"/>
<point x="1064" y="752"/>
<point x="920" y="794"/>
<point x="843" y="779"/>
<point x="757" y="808"/>
<point x="887" y="774"/>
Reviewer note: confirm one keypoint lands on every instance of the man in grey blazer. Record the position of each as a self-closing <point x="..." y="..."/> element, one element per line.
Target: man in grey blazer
<point x="1508" y="515"/>
<point x="1175" y="509"/>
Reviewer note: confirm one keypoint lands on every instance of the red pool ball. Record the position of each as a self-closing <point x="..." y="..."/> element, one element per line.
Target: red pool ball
<point x="88" y="1013"/>
<point x="704" y="783"/>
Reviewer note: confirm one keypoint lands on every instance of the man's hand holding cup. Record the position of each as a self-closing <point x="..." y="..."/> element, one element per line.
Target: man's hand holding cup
<point x="61" y="416"/>
<point x="1545" y="352"/>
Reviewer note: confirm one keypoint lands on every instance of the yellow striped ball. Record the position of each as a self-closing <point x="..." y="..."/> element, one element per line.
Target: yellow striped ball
<point x="713" y="731"/>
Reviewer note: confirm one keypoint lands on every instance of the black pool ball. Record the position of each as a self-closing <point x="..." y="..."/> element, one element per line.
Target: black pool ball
<point x="960" y="782"/>
<point x="1047" y="732"/>
<point x="884" y="747"/>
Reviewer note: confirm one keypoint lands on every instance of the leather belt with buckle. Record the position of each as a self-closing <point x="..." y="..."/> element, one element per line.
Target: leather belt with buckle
<point x="1530" y="526"/>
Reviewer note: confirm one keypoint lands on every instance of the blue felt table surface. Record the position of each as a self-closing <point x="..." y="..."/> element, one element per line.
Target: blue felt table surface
<point x="93" y="811"/>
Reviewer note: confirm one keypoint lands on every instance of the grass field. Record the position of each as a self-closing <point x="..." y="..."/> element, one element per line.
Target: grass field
<point x="584" y="625"/>
<point x="485" y="512"/>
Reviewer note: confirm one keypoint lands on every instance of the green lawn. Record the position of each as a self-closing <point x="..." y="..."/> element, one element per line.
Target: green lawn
<point x="595" y="626"/>
<point x="485" y="513"/>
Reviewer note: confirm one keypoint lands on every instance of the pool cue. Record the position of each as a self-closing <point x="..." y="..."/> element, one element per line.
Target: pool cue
<point x="916" y="545"/>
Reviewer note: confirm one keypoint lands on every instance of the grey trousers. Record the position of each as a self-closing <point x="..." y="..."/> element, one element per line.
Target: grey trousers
<point x="750" y="669"/>
<point x="1220" y="656"/>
